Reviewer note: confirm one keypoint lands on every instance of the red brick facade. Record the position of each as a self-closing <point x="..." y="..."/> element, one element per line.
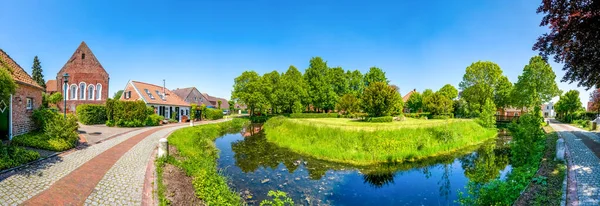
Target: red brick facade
<point x="21" y="115"/>
<point x="83" y="69"/>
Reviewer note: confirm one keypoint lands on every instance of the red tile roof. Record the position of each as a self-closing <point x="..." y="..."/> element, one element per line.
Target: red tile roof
<point x="18" y="74"/>
<point x="407" y="96"/>
<point x="51" y="86"/>
<point x="153" y="98"/>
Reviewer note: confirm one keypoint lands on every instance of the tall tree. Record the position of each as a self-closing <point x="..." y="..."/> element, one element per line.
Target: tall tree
<point x="292" y="90"/>
<point x="356" y="83"/>
<point x="36" y="72"/>
<point x="426" y="95"/>
<point x="568" y="103"/>
<point x="415" y="102"/>
<point x="449" y="91"/>
<point x="248" y="90"/>
<point x="270" y="85"/>
<point x="338" y="80"/>
<point x="375" y="75"/>
<point x="502" y="96"/>
<point x="320" y="91"/>
<point x="595" y="100"/>
<point x="380" y="99"/>
<point x="348" y="103"/>
<point x="573" y="38"/>
<point x="118" y="94"/>
<point x="481" y="83"/>
<point x="437" y="103"/>
<point x="536" y="85"/>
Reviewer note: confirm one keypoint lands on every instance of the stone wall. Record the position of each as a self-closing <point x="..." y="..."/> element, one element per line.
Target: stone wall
<point x="21" y="116"/>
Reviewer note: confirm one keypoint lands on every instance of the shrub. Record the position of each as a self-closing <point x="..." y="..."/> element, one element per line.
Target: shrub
<point x="91" y="114"/>
<point x="42" y="116"/>
<point x="59" y="134"/>
<point x="42" y="141"/>
<point x="213" y="114"/>
<point x="259" y="119"/>
<point x="64" y="129"/>
<point x="314" y="115"/>
<point x="127" y="113"/>
<point x="153" y="120"/>
<point x="417" y="115"/>
<point x="12" y="156"/>
<point x="381" y="119"/>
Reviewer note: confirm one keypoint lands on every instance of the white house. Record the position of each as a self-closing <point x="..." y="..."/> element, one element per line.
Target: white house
<point x="164" y="102"/>
<point x="548" y="110"/>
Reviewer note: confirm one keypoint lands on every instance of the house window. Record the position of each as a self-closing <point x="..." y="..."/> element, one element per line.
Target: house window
<point x="90" y="92"/>
<point x="29" y="104"/>
<point x="149" y="94"/>
<point x="195" y="98"/>
<point x="73" y="92"/>
<point x="83" y="56"/>
<point x="98" y="91"/>
<point x="547" y="107"/>
<point x="82" y="91"/>
<point x="162" y="96"/>
<point x="127" y="94"/>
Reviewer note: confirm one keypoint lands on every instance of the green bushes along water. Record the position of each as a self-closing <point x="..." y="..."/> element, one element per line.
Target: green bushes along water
<point x="364" y="147"/>
<point x="196" y="146"/>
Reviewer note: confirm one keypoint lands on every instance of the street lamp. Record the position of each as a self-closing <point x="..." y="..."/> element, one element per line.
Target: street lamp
<point x="66" y="80"/>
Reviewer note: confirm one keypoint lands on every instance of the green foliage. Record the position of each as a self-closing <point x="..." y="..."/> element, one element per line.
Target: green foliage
<point x="449" y="91"/>
<point x="417" y="115"/>
<point x="199" y="154"/>
<point x="219" y="102"/>
<point x="536" y="85"/>
<point x="279" y="199"/>
<point x="61" y="128"/>
<point x="567" y="104"/>
<point x="193" y="109"/>
<point x="415" y="102"/>
<point x="153" y="120"/>
<point x="12" y="156"/>
<point x="126" y="113"/>
<point x="437" y="103"/>
<point x="8" y="85"/>
<point x="348" y="103"/>
<point x="380" y="99"/>
<point x="347" y="141"/>
<point x="36" y="72"/>
<point x="375" y="75"/>
<point x="89" y="114"/>
<point x="314" y="115"/>
<point x="213" y="114"/>
<point x="487" y="118"/>
<point x="291" y="91"/>
<point x="502" y="95"/>
<point x="338" y="80"/>
<point x="42" y="116"/>
<point x="380" y="119"/>
<point x="484" y="81"/>
<point x="527" y="136"/>
<point x="57" y="134"/>
<point x="320" y="92"/>
<point x="248" y="89"/>
<point x="118" y="95"/>
<point x="161" y="188"/>
<point x="55" y="98"/>
<point x="356" y="83"/>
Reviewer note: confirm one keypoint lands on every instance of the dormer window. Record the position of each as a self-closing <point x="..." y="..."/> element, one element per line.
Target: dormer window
<point x="149" y="94"/>
<point x="83" y="56"/>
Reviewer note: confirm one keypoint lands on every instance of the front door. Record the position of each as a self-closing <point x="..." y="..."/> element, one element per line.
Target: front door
<point x="4" y="120"/>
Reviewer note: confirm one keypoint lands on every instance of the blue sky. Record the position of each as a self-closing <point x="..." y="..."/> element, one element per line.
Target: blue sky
<point x="207" y="44"/>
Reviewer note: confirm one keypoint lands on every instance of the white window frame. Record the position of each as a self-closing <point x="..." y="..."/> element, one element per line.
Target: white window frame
<point x="29" y="103"/>
<point x="91" y="96"/>
<point x="82" y="94"/>
<point x="73" y="95"/>
<point x="98" y="91"/>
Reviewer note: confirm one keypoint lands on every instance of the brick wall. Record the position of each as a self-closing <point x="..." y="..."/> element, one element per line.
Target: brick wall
<point x="21" y="116"/>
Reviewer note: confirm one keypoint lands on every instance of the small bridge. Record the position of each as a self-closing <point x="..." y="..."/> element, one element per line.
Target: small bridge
<point x="506" y="119"/>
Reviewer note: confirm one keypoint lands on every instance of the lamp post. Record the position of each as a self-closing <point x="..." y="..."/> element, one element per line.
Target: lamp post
<point x="66" y="80"/>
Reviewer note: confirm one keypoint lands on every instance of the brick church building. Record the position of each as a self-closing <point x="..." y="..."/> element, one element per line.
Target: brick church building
<point x="87" y="83"/>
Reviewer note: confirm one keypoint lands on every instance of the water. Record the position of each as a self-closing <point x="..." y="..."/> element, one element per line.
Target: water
<point x="254" y="166"/>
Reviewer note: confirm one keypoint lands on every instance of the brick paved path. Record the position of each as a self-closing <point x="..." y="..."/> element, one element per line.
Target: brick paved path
<point x="583" y="162"/>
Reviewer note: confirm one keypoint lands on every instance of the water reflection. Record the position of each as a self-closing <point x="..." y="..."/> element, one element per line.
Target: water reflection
<point x="257" y="166"/>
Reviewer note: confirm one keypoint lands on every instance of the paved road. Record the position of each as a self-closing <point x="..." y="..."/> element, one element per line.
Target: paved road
<point x="108" y="173"/>
<point x="584" y="162"/>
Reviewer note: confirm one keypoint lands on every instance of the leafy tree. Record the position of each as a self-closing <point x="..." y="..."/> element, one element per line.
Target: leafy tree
<point x="55" y="98"/>
<point x="356" y="83"/>
<point x="348" y="103"/>
<point x="8" y="85"/>
<point x="219" y="102"/>
<point x="426" y="95"/>
<point x="338" y="80"/>
<point x="415" y="102"/>
<point x="481" y="82"/>
<point x="573" y="38"/>
<point x="437" y="103"/>
<point x="502" y="97"/>
<point x="486" y="118"/>
<point x="568" y="103"/>
<point x="231" y="106"/>
<point x="247" y="89"/>
<point x="320" y="92"/>
<point x="536" y="85"/>
<point x="595" y="99"/>
<point x="292" y="90"/>
<point x="449" y="91"/>
<point x="118" y="94"/>
<point x="460" y="108"/>
<point x="271" y="83"/>
<point x="36" y="72"/>
<point x="380" y="99"/>
<point x="375" y="75"/>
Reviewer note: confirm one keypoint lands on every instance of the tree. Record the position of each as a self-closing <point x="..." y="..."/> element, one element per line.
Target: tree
<point x="375" y="75"/>
<point x="426" y="95"/>
<point x="502" y="97"/>
<point x="231" y="106"/>
<point x="595" y="100"/>
<point x="356" y="83"/>
<point x="348" y="103"/>
<point x="568" y="103"/>
<point x="437" y="103"/>
<point x="118" y="94"/>
<point x="536" y="85"/>
<point x="320" y="92"/>
<point x="486" y="117"/>
<point x="573" y="38"/>
<point x="480" y="83"/>
<point x="270" y="84"/>
<point x="36" y="72"/>
<point x="380" y="99"/>
<point x="338" y="80"/>
<point x="449" y="91"/>
<point x="219" y="102"/>
<point x="415" y="102"/>
<point x="292" y="90"/>
<point x="247" y="89"/>
<point x="8" y="85"/>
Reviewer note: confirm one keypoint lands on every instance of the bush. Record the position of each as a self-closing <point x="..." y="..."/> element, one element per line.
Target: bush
<point x="417" y="115"/>
<point x="65" y="129"/>
<point x="314" y="115"/>
<point x="12" y="156"/>
<point x="127" y="113"/>
<point x="59" y="134"/>
<point x="442" y="116"/>
<point x="42" y="116"/>
<point x="259" y="119"/>
<point x="89" y="114"/>
<point x="213" y="114"/>
<point x="381" y="119"/>
<point x="153" y="120"/>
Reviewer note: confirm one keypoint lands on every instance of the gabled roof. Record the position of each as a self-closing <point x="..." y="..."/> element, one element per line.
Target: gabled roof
<point x="169" y="99"/>
<point x="407" y="96"/>
<point x="18" y="74"/>
<point x="184" y="92"/>
<point x="89" y="64"/>
<point x="51" y="86"/>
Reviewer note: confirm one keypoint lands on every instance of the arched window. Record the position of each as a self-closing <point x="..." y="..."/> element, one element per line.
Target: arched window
<point x="82" y="91"/>
<point x="98" y="91"/>
<point x="90" y="92"/>
<point x="73" y="92"/>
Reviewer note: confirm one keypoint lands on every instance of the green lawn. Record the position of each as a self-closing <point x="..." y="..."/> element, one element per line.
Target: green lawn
<point x="364" y="143"/>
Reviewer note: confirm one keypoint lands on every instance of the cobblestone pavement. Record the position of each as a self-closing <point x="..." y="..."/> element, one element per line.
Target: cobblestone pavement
<point x="98" y="133"/>
<point x="584" y="163"/>
<point x="27" y="182"/>
<point x="123" y="183"/>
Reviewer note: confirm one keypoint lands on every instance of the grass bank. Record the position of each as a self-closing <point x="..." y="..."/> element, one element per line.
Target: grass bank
<point x="363" y="143"/>
<point x="198" y="154"/>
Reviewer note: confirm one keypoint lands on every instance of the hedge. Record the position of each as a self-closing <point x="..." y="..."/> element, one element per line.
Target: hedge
<point x="213" y="114"/>
<point x="380" y="119"/>
<point x="429" y="115"/>
<point x="417" y="115"/>
<point x="314" y="115"/>
<point x="89" y="114"/>
<point x="127" y="113"/>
